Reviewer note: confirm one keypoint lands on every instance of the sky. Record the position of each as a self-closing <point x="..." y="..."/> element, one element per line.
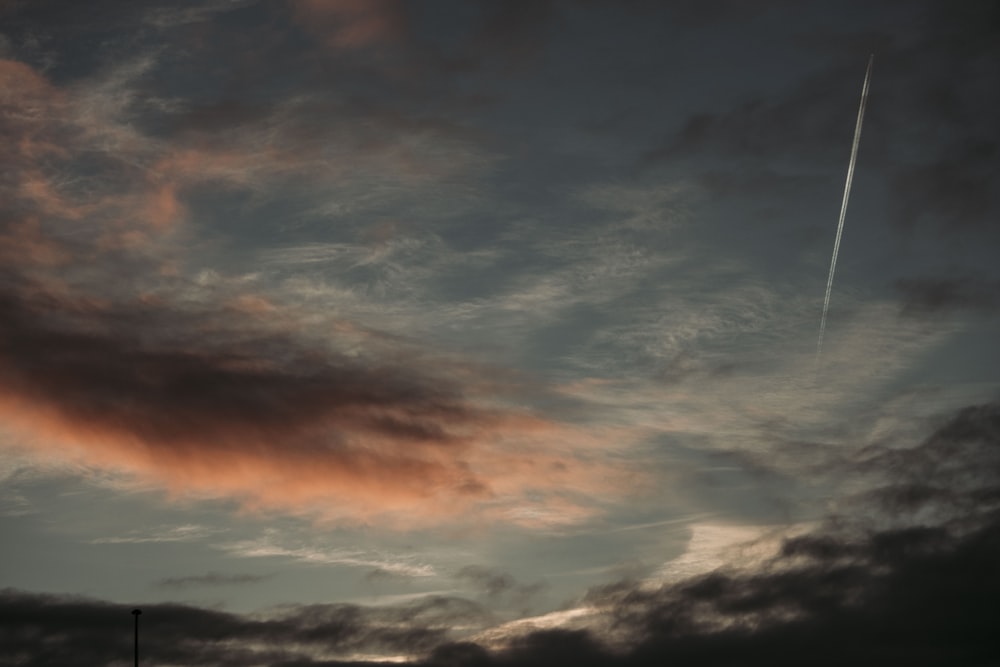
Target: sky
<point x="484" y="332"/>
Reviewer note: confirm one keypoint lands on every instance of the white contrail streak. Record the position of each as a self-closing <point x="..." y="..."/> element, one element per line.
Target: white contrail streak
<point x="843" y="205"/>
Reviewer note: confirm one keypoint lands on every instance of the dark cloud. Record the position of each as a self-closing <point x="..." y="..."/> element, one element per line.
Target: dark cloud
<point x="490" y="581"/>
<point x="932" y="296"/>
<point x="212" y="579"/>
<point x="695" y="14"/>
<point x="685" y="366"/>
<point x="67" y="17"/>
<point x="497" y="584"/>
<point x="512" y="33"/>
<point x="807" y="122"/>
<point x="888" y="584"/>
<point x="58" y="630"/>
<point x="382" y="574"/>
<point x="947" y="184"/>
<point x="953" y="192"/>
<point x="938" y="73"/>
<point x="217" y="403"/>
<point x="755" y="182"/>
<point x="90" y="362"/>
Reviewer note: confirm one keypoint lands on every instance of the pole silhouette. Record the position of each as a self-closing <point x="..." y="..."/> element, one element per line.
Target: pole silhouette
<point x="136" y="612"/>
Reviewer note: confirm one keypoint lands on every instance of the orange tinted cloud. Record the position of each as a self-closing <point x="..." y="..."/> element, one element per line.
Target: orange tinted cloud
<point x="23" y="87"/>
<point x="63" y="177"/>
<point x="264" y="420"/>
<point x="78" y="163"/>
<point x="352" y="24"/>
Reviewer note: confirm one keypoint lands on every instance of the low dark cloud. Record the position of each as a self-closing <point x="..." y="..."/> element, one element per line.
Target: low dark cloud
<point x="40" y="629"/>
<point x="212" y="579"/>
<point x="906" y="575"/>
<point x="891" y="583"/>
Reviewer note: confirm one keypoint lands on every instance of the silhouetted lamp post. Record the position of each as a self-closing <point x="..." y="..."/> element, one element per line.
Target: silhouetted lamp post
<point x="136" y="612"/>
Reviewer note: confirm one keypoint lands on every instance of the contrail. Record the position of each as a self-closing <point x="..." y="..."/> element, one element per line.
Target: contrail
<point x="843" y="205"/>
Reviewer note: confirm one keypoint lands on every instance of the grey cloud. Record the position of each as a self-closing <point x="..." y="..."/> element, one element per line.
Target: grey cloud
<point x="952" y="192"/>
<point x="513" y="33"/>
<point x="212" y="579"/>
<point x="490" y="581"/>
<point x="382" y="574"/>
<point x="808" y="121"/>
<point x="933" y="296"/>
<point x="496" y="583"/>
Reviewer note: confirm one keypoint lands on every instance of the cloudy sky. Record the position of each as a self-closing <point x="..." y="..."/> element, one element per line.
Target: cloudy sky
<point x="485" y="332"/>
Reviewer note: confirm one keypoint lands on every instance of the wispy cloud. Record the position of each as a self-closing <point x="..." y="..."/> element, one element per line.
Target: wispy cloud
<point x="171" y="17"/>
<point x="270" y="546"/>
<point x="184" y="533"/>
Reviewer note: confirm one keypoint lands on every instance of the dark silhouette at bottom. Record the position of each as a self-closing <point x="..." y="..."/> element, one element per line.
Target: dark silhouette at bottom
<point x="136" y="612"/>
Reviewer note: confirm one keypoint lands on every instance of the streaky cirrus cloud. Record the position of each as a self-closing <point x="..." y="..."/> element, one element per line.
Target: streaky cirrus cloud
<point x="270" y="545"/>
<point x="159" y="534"/>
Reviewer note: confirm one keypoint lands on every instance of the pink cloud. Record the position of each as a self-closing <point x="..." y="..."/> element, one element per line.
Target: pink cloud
<point x="223" y="408"/>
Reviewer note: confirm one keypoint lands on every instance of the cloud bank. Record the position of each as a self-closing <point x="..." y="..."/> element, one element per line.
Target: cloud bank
<point x="905" y="575"/>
